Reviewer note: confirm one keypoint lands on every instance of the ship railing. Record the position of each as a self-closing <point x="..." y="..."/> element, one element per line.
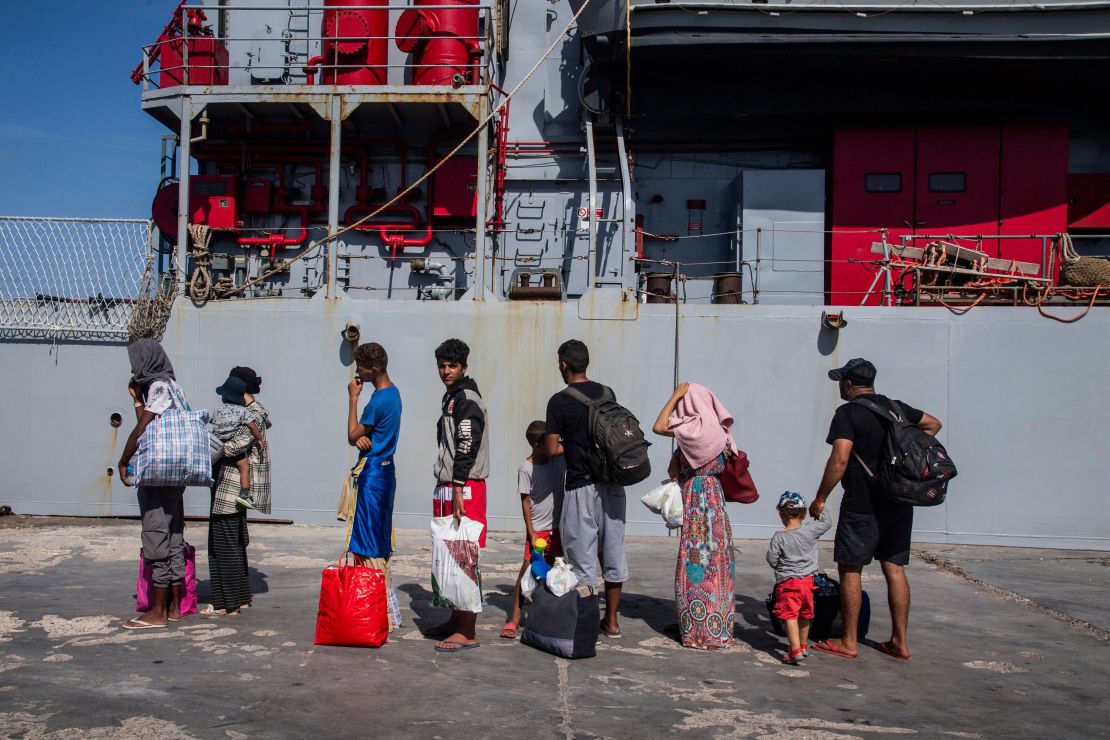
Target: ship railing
<point x="301" y="67"/>
<point x="71" y="278"/>
<point x="751" y="264"/>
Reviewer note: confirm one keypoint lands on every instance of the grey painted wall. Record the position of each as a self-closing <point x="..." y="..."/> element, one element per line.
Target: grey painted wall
<point x="1021" y="398"/>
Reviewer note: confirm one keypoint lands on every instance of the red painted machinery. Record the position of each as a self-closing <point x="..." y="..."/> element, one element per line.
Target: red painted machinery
<point x="354" y="47"/>
<point x="207" y="62"/>
<point x="443" y="42"/>
<point x="212" y="201"/>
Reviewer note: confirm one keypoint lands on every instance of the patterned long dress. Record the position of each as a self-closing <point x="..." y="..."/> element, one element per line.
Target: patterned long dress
<point x="704" y="595"/>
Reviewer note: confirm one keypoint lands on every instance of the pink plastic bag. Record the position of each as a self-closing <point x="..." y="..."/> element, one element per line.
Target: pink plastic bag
<point x="143" y="584"/>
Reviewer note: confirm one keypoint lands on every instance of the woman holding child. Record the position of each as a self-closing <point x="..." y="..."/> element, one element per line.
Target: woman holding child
<point x="705" y="598"/>
<point x="227" y="529"/>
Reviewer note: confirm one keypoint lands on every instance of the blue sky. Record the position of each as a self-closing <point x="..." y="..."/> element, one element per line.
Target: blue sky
<point x="73" y="139"/>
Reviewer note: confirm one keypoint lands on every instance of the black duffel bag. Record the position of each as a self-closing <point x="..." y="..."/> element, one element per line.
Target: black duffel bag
<point x="566" y="625"/>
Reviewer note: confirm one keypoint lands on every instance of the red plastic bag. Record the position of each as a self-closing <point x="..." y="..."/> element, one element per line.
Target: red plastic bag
<point x="737" y="481"/>
<point x="353" y="609"/>
<point x="143" y="597"/>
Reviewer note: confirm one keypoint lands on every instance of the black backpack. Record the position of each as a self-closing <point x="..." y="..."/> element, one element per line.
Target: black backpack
<point x="616" y="451"/>
<point x="914" y="467"/>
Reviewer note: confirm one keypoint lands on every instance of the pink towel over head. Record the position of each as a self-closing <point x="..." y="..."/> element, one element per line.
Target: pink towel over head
<point x="702" y="426"/>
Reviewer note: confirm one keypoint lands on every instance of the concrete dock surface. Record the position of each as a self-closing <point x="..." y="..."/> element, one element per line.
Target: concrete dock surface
<point x="1006" y="642"/>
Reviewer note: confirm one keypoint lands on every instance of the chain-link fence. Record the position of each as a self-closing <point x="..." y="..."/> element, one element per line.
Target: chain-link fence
<point x="69" y="278"/>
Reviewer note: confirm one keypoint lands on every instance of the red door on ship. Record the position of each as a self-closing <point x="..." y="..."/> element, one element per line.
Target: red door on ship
<point x="957" y="185"/>
<point x="873" y="186"/>
<point x="952" y="181"/>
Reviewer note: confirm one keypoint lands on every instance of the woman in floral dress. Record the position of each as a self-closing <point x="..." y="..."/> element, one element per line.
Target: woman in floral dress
<point x="705" y="598"/>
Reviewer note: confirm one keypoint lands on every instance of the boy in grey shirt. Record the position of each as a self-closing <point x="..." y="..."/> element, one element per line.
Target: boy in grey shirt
<point x="793" y="554"/>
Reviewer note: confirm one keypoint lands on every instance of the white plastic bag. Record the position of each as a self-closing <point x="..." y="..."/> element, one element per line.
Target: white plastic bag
<point x="561" y="579"/>
<point x="666" y="500"/>
<point x="527" y="584"/>
<point x="456" y="580"/>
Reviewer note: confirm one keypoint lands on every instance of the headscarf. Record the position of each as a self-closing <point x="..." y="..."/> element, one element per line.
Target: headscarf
<point x="149" y="362"/>
<point x="702" y="426"/>
<point x="248" y="376"/>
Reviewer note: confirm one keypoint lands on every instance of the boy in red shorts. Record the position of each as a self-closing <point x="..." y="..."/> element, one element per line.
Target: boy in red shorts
<point x="540" y="483"/>
<point x="793" y="554"/>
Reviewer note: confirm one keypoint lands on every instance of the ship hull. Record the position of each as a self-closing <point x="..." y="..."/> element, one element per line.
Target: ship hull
<point x="1021" y="399"/>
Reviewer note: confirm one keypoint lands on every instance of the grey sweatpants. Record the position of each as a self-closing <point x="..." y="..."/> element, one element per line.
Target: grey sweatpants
<point x="163" y="512"/>
<point x="591" y="528"/>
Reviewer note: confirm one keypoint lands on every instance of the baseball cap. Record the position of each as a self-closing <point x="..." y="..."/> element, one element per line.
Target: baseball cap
<point x="791" y="500"/>
<point x="857" y="370"/>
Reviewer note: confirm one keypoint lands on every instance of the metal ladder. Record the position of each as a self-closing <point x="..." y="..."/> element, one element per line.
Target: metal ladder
<point x="627" y="217"/>
<point x="299" y="30"/>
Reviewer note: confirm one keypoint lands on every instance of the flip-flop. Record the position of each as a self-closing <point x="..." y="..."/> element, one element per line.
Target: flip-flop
<point x="509" y="631"/>
<point x="211" y="611"/>
<point x="607" y="633"/>
<point x="885" y="647"/>
<point x="138" y="624"/>
<point x="827" y="647"/>
<point x="461" y="646"/>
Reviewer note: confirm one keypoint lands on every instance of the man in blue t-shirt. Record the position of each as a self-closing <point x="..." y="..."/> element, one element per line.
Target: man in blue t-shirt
<point x="375" y="435"/>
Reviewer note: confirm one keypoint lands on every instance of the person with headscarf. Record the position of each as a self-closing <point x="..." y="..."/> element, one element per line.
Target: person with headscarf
<point x="154" y="390"/>
<point x="227" y="523"/>
<point x="705" y="598"/>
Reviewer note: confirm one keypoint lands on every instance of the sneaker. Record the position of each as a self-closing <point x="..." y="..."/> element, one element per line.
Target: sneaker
<point x="245" y="501"/>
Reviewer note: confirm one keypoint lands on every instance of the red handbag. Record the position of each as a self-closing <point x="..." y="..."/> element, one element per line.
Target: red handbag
<point x="737" y="481"/>
<point x="353" y="610"/>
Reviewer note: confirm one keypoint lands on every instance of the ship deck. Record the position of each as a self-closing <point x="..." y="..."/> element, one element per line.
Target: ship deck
<point x="1006" y="642"/>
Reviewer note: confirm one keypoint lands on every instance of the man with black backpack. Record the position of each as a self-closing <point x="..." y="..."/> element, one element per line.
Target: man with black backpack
<point x="875" y="520"/>
<point x="604" y="450"/>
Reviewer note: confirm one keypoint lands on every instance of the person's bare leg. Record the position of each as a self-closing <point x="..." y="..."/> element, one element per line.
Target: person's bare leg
<point x="612" y="603"/>
<point x="803" y="633"/>
<point x="157" y="613"/>
<point x="518" y="597"/>
<point x="464" y="633"/>
<point x="173" y="605"/>
<point x="851" y="595"/>
<point x="793" y="634"/>
<point x="244" y="466"/>
<point x="898" y="598"/>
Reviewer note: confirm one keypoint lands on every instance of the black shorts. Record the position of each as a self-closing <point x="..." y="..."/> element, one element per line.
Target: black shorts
<point x="883" y="534"/>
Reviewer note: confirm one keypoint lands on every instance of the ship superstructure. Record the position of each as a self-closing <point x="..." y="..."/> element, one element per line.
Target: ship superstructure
<point x="744" y="194"/>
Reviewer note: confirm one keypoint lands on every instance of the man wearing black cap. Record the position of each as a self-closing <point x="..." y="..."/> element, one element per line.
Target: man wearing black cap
<point x="870" y="526"/>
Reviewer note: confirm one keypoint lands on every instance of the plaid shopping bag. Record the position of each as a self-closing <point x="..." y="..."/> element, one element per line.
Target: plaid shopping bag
<point x="174" y="449"/>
